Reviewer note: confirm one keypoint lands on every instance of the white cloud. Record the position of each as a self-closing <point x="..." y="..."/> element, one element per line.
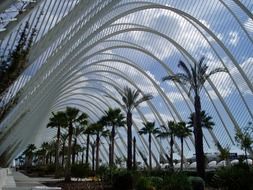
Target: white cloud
<point x="225" y="85"/>
<point x="139" y="79"/>
<point x="174" y="97"/>
<point x="166" y="22"/>
<point x="204" y="22"/>
<point x="233" y="38"/>
<point x="249" y="25"/>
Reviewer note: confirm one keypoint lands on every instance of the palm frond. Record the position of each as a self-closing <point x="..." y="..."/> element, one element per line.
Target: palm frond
<point x="216" y="70"/>
<point x="163" y="134"/>
<point x="201" y="61"/>
<point x="116" y="100"/>
<point x="142" y="131"/>
<point x="174" y="78"/>
<point x="185" y="69"/>
<point x="144" y="98"/>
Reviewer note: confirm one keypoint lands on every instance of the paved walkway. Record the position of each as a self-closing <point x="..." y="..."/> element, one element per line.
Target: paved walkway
<point x="25" y="181"/>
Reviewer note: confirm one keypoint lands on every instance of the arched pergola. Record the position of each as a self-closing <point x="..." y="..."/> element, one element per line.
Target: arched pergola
<point x="86" y="51"/>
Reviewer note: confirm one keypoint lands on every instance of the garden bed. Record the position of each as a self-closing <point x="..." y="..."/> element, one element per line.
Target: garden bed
<point x="78" y="185"/>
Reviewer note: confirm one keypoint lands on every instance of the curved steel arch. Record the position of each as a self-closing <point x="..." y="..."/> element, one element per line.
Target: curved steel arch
<point x="143" y="140"/>
<point x="182" y="49"/>
<point x="230" y="115"/>
<point x="47" y="70"/>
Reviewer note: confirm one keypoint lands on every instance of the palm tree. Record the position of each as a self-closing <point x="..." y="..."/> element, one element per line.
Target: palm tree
<point x="29" y="153"/>
<point x="57" y="121"/>
<point x="113" y="118"/>
<point x="82" y="149"/>
<point x="77" y="132"/>
<point x="169" y="131"/>
<point x="149" y="129"/>
<point x="51" y="150"/>
<point x="243" y="137"/>
<point x="88" y="131"/>
<point x="130" y="100"/>
<point x="194" y="76"/>
<point x="44" y="149"/>
<point x="119" y="161"/>
<point x="64" y="138"/>
<point x="182" y="132"/>
<point x="99" y="131"/>
<point x="73" y="116"/>
<point x="93" y="146"/>
<point x="206" y="120"/>
<point x="78" y="149"/>
<point x="224" y="153"/>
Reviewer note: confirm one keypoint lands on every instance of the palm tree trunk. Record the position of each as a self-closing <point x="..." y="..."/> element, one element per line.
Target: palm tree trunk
<point x="110" y="154"/>
<point x="149" y="149"/>
<point x="112" y="145"/>
<point x="93" y="157"/>
<point x="57" y="165"/>
<point x="97" y="152"/>
<point x="246" y="157"/>
<point x="47" y="158"/>
<point x="200" y="159"/>
<point x="171" y="151"/>
<point x="182" y="153"/>
<point x="68" y="165"/>
<point x="129" y="140"/>
<point x="87" y="149"/>
<point x="50" y="158"/>
<point x="63" y="154"/>
<point x="74" y="151"/>
<point x="134" y="155"/>
<point x="82" y="157"/>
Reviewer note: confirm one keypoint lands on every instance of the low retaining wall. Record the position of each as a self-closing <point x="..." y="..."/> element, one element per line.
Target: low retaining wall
<point x="6" y="179"/>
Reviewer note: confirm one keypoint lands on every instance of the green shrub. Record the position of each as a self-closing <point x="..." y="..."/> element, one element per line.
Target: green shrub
<point x="157" y="182"/>
<point x="197" y="183"/>
<point x="176" y="181"/>
<point x="143" y="183"/>
<point x="50" y="169"/>
<point x="233" y="178"/>
<point x="80" y="170"/>
<point x="123" y="180"/>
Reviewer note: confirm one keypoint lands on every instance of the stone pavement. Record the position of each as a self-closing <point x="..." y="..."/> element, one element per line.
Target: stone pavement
<point x="25" y="182"/>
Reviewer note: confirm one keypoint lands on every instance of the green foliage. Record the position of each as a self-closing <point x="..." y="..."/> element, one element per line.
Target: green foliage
<point x="234" y="178"/>
<point x="143" y="183"/>
<point x="156" y="182"/>
<point x="123" y="180"/>
<point x="197" y="183"/>
<point x="50" y="169"/>
<point x="80" y="170"/>
<point x="206" y="120"/>
<point x="176" y="181"/>
<point x="243" y="137"/>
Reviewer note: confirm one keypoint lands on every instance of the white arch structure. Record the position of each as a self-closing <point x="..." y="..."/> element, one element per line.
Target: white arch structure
<point x="86" y="49"/>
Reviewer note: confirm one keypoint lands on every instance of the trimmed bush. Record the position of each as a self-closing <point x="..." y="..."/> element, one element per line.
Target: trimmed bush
<point x="123" y="180"/>
<point x="197" y="183"/>
<point x="176" y="181"/>
<point x="80" y="170"/>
